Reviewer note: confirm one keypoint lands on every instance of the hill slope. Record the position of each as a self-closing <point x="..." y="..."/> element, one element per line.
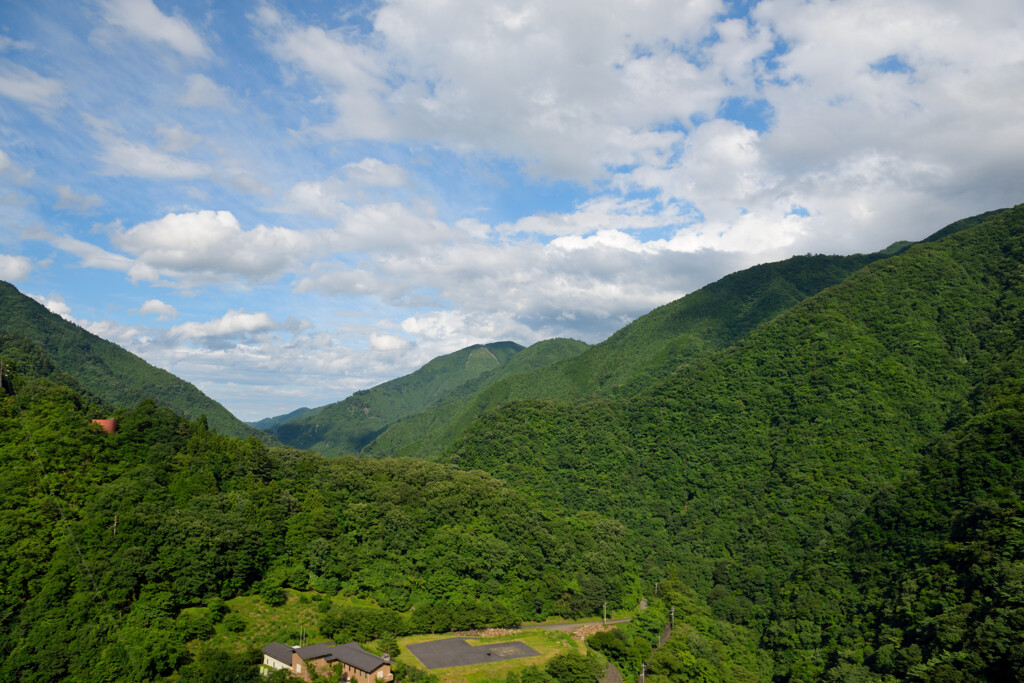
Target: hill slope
<point x="107" y="539"/>
<point x="649" y="348"/>
<point x="105" y="369"/>
<point x="747" y="469"/>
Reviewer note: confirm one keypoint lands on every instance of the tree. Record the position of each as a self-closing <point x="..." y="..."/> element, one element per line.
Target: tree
<point x="573" y="667"/>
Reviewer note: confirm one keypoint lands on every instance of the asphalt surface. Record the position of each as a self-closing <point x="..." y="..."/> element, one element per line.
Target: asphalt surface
<point x="457" y="652"/>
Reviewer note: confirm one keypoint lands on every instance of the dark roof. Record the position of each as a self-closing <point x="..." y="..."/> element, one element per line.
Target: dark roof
<point x="352" y="654"/>
<point x="279" y="651"/>
<point x="315" y="650"/>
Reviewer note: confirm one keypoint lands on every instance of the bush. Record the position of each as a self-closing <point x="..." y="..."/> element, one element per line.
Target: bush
<point x="217" y="609"/>
<point x="234" y="623"/>
<point x="273" y="595"/>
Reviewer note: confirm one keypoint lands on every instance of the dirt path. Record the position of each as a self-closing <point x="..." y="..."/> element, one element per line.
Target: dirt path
<point x="612" y="675"/>
<point x="569" y="628"/>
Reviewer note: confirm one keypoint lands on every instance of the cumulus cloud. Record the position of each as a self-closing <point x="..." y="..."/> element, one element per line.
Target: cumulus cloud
<point x="28" y="87"/>
<point x="69" y="200"/>
<point x="14" y="268"/>
<point x="158" y="308"/>
<point x="571" y="88"/>
<point x="233" y="324"/>
<point x="143" y="19"/>
<point x="211" y="246"/>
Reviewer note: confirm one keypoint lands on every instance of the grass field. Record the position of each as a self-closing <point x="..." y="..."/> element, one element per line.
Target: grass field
<point x="282" y="624"/>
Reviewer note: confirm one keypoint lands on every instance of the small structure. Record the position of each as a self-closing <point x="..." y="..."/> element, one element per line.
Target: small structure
<point x="109" y="426"/>
<point x="357" y="665"/>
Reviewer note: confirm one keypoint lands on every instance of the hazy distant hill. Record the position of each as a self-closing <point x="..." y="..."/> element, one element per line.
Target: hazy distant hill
<point x="270" y="424"/>
<point x="347" y="426"/>
<point x="104" y="369"/>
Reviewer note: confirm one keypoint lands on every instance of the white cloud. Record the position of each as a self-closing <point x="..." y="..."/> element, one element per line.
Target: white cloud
<point x="158" y="308"/>
<point x="69" y="200"/>
<point x="9" y="169"/>
<point x="375" y="173"/>
<point x="233" y="324"/>
<point x="92" y="256"/>
<point x="27" y="86"/>
<point x="55" y="304"/>
<point x="134" y="159"/>
<point x="602" y="213"/>
<point x="143" y="19"/>
<point x="560" y="86"/>
<point x="177" y="138"/>
<point x="7" y="43"/>
<point x="211" y="246"/>
<point x="201" y="91"/>
<point x="330" y="198"/>
<point x="14" y="268"/>
<point x="387" y="342"/>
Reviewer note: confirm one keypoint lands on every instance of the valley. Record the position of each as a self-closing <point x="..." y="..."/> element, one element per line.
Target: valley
<point x="813" y="467"/>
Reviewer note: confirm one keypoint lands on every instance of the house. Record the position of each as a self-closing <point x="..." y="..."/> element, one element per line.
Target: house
<point x="356" y="664"/>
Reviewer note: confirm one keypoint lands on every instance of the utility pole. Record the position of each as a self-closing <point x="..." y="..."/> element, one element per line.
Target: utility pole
<point x="672" y="615"/>
<point x="643" y="672"/>
<point x="605" y="621"/>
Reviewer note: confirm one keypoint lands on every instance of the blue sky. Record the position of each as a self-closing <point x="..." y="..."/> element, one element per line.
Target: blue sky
<point x="286" y="202"/>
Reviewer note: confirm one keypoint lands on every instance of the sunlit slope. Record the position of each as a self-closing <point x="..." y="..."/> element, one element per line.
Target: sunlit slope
<point x="746" y="469"/>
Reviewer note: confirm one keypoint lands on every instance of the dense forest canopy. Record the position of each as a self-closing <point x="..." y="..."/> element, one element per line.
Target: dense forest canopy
<point x="822" y="479"/>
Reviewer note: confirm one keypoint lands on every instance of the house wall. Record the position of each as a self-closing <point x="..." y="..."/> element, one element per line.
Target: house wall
<point x="273" y="663"/>
<point x="381" y="674"/>
<point x="300" y="669"/>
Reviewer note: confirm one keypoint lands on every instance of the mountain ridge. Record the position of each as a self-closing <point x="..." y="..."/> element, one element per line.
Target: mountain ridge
<point x="110" y="372"/>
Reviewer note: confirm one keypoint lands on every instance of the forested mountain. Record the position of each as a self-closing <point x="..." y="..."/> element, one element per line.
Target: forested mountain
<point x="824" y="482"/>
<point x="347" y="426"/>
<point x="269" y="424"/>
<point x="104" y="539"/>
<point x="648" y="349"/>
<point x="756" y="472"/>
<point x="105" y="369"/>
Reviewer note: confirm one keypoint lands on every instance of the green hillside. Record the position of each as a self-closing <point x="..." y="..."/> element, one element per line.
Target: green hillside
<point x="836" y="494"/>
<point x="746" y="470"/>
<point x="119" y="552"/>
<point x="346" y="426"/>
<point x="105" y="369"/>
<point x="648" y="349"/>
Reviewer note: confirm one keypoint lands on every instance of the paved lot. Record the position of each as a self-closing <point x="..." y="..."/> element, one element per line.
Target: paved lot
<point x="457" y="652"/>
